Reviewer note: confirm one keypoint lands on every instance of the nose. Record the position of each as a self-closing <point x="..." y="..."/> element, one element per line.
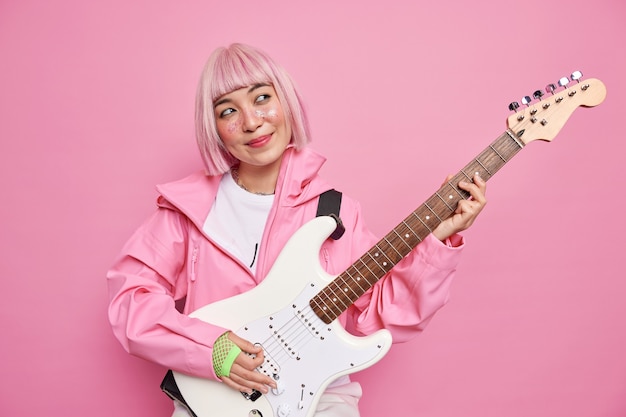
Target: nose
<point x="252" y="120"/>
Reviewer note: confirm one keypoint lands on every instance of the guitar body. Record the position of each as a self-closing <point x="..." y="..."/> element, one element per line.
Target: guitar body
<point x="303" y="354"/>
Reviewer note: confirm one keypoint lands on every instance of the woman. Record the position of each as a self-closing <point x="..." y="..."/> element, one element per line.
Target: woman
<point x="216" y="234"/>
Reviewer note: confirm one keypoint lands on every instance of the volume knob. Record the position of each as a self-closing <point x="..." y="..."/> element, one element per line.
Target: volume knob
<point x="280" y="387"/>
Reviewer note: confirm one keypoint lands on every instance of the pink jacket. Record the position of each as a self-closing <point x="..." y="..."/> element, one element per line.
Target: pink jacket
<point x="169" y="260"/>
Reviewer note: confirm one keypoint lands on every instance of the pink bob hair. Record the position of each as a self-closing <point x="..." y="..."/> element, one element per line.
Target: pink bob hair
<point x="228" y="69"/>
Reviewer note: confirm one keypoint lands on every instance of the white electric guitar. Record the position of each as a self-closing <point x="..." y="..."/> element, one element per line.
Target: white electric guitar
<point x="293" y="313"/>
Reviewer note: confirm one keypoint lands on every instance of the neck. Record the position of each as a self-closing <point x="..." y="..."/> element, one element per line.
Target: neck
<point x="255" y="179"/>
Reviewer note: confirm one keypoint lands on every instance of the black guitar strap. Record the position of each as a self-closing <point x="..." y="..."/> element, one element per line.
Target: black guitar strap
<point x="169" y="387"/>
<point x="329" y="204"/>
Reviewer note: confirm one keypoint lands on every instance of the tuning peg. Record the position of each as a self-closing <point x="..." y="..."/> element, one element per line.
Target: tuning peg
<point x="550" y="88"/>
<point x="526" y="100"/>
<point x="513" y="107"/>
<point x="563" y="82"/>
<point x="538" y="94"/>
<point x="576" y="76"/>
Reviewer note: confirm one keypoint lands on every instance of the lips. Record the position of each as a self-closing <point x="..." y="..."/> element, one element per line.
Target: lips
<point x="260" y="141"/>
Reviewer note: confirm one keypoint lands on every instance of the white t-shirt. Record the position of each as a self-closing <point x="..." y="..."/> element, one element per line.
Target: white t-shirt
<point x="237" y="220"/>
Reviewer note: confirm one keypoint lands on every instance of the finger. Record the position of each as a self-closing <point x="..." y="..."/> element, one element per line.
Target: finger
<point x="232" y="384"/>
<point x="245" y="385"/>
<point x="241" y="374"/>
<point x="464" y="209"/>
<point x="250" y="361"/>
<point x="478" y="180"/>
<point x="480" y="183"/>
<point x="244" y="345"/>
<point x="476" y="189"/>
<point x="251" y="379"/>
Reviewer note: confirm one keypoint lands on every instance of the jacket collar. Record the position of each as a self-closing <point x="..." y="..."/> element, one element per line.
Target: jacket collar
<point x="298" y="182"/>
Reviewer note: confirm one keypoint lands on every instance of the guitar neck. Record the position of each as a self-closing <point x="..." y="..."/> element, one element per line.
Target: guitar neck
<point x="346" y="288"/>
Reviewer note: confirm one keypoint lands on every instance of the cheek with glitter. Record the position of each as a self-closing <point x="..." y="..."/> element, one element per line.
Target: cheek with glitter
<point x="260" y="113"/>
<point x="272" y="113"/>
<point x="233" y="126"/>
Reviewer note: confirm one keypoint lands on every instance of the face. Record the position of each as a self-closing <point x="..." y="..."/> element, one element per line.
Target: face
<point x="251" y="123"/>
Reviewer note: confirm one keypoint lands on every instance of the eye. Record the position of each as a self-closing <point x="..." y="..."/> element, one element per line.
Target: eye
<point x="227" y="112"/>
<point x="262" y="98"/>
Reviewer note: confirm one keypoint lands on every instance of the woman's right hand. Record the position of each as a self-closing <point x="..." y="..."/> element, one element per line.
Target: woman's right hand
<point x="243" y="375"/>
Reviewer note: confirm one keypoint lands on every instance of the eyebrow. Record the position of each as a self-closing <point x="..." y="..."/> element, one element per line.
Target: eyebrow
<point x="251" y="89"/>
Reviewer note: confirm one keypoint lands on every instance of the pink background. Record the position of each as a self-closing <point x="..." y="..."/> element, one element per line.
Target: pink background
<point x="96" y="107"/>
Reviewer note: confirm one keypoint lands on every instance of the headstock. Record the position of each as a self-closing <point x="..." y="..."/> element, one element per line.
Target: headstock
<point x="543" y="119"/>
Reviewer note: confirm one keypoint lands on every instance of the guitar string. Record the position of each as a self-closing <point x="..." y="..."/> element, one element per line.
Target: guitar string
<point x="294" y="333"/>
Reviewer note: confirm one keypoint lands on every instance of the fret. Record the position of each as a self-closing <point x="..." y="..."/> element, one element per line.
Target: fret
<point x="497" y="153"/>
<point x="392" y="247"/>
<point x="368" y="268"/>
<point x="484" y="167"/>
<point x="466" y="176"/>
<point x="462" y="193"/>
<point x="426" y="214"/>
<point x="433" y="212"/>
<point x="512" y="136"/>
<point x="372" y="261"/>
<point x="408" y="235"/>
<point x="336" y="296"/>
<point x="356" y="281"/>
<point x="421" y="221"/>
<point x="412" y="231"/>
<point x="324" y="308"/>
<point x="378" y="250"/>
<point x="444" y="201"/>
<point x="360" y="275"/>
<point x="346" y="286"/>
<point x="343" y="294"/>
<point x="373" y="258"/>
<point x="402" y="239"/>
<point x="476" y="170"/>
<point x="439" y="206"/>
<point x="335" y="308"/>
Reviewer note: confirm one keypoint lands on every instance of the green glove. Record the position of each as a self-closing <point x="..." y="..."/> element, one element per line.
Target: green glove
<point x="224" y="354"/>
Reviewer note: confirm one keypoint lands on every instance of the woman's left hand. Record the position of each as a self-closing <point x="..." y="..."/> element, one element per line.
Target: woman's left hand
<point x="466" y="211"/>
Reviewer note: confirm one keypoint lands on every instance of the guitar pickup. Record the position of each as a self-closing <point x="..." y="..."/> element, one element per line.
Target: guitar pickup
<point x="312" y="323"/>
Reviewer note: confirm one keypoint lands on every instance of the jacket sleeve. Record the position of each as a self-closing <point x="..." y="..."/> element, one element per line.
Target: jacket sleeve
<point x="143" y="286"/>
<point x="404" y="300"/>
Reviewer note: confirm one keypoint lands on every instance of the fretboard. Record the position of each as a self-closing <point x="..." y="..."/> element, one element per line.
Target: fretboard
<point x="347" y="287"/>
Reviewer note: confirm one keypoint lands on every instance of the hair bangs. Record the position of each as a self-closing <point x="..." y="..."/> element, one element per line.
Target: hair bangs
<point x="234" y="70"/>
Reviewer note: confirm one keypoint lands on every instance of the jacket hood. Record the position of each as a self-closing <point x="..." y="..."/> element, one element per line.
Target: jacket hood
<point x="298" y="182"/>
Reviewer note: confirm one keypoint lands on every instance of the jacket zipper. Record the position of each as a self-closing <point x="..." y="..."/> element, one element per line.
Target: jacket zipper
<point x="194" y="260"/>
